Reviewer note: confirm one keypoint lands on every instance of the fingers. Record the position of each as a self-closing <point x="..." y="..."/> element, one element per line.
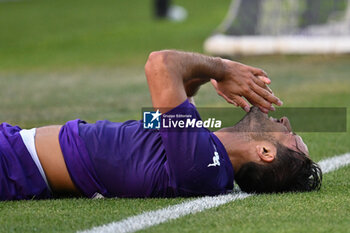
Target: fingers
<point x="214" y="83"/>
<point x="260" y="72"/>
<point x="268" y="89"/>
<point x="259" y="80"/>
<point x="254" y="89"/>
<point x="264" y="110"/>
<point x="266" y="95"/>
<point x="264" y="91"/>
<point x="258" y="100"/>
<point x="241" y="102"/>
<point x="228" y="100"/>
<point x="264" y="79"/>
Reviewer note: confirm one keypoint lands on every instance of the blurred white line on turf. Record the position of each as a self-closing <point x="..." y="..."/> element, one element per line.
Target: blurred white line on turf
<point x="152" y="218"/>
<point x="334" y="163"/>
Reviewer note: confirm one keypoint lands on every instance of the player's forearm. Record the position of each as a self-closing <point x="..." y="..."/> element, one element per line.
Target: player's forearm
<point x="173" y="76"/>
<point x="192" y="69"/>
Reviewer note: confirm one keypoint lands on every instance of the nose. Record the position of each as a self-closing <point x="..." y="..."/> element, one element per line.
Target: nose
<point x="284" y="121"/>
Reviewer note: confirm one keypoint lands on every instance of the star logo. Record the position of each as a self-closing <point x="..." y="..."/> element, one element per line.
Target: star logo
<point x="155" y="115"/>
<point x="151" y="120"/>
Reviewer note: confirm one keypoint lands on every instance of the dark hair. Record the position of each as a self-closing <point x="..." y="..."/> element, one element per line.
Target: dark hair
<point x="291" y="171"/>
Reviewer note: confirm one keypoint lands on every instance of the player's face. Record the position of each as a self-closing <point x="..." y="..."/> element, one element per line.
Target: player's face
<point x="261" y="127"/>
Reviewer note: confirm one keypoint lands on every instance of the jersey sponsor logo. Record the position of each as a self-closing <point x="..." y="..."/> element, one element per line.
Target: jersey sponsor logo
<point x="216" y="160"/>
<point x="151" y="120"/>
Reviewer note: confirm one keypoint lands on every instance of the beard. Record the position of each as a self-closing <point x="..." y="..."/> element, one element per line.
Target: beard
<point x="254" y="121"/>
<point x="255" y="125"/>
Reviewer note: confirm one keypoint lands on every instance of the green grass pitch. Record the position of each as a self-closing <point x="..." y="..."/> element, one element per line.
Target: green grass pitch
<point x="61" y="60"/>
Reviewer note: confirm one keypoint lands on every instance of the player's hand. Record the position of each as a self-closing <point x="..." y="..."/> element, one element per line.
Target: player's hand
<point x="245" y="81"/>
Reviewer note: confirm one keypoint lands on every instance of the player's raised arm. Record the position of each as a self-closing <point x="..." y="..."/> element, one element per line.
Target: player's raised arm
<point x="173" y="76"/>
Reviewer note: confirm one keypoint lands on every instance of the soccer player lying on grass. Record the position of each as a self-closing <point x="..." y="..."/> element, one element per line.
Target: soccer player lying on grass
<point x="126" y="160"/>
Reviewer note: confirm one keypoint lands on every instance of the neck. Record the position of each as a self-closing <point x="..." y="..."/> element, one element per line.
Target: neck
<point x="236" y="146"/>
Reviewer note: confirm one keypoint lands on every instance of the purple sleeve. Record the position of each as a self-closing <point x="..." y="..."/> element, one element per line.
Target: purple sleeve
<point x="190" y="151"/>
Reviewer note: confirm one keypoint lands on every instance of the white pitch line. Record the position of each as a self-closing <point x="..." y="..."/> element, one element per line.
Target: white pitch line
<point x="334" y="163"/>
<point x="152" y="218"/>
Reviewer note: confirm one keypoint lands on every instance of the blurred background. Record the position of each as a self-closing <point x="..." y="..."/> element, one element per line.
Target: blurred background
<point x="65" y="34"/>
<point x="66" y="59"/>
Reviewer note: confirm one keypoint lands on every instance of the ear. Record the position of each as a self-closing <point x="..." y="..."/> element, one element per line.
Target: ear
<point x="266" y="151"/>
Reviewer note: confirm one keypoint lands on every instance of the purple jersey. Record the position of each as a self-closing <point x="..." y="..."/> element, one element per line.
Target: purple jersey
<point x="131" y="161"/>
<point x="19" y="176"/>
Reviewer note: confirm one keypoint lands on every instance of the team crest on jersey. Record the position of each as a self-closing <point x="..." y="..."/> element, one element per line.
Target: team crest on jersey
<point x="216" y="160"/>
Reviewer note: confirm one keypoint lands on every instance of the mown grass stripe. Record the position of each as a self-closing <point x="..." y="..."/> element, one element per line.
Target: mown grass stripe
<point x="152" y="218"/>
